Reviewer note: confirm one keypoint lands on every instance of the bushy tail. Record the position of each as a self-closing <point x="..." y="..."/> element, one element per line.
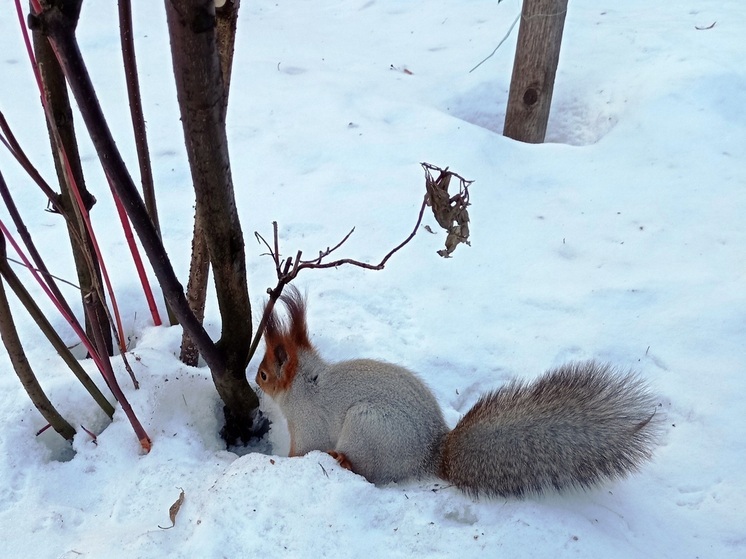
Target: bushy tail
<point x="576" y="426"/>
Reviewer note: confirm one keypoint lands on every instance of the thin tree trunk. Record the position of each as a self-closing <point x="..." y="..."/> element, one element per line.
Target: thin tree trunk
<point x="55" y="90"/>
<point x="199" y="267"/>
<point x="201" y="94"/>
<point x="534" y="70"/>
<point x="199" y="272"/>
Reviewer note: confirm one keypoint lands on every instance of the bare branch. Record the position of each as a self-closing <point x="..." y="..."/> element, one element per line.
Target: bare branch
<point x="453" y="209"/>
<point x="287" y="275"/>
<point x="136" y="111"/>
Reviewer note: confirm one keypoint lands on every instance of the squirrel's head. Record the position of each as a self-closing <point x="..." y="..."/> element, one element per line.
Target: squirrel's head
<point x="283" y="343"/>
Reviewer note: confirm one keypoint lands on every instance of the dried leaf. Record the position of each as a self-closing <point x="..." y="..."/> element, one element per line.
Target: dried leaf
<point x="174" y="510"/>
<point x="449" y="211"/>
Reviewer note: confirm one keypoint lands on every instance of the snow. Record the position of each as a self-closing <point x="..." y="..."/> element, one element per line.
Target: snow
<point x="621" y="239"/>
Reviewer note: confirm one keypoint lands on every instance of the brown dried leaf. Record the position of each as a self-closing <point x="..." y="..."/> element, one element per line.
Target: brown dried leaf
<point x="449" y="211"/>
<point x="174" y="510"/>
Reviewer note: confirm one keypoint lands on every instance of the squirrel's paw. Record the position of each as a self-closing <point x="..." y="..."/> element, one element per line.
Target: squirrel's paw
<point x="341" y="459"/>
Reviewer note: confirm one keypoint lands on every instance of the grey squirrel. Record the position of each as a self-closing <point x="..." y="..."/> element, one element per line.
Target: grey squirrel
<point x="574" y="427"/>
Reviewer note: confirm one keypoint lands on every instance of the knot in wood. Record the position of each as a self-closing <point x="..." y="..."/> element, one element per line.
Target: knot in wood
<point x="530" y="96"/>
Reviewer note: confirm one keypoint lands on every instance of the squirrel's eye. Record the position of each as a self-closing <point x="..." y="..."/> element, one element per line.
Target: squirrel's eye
<point x="263" y="375"/>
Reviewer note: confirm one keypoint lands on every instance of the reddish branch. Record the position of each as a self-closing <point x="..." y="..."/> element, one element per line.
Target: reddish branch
<point x="138" y="118"/>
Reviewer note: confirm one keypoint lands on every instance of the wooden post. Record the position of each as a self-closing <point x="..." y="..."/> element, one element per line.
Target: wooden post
<point x="534" y="69"/>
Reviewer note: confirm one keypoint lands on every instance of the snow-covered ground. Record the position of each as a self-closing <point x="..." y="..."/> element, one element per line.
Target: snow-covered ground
<point x="622" y="238"/>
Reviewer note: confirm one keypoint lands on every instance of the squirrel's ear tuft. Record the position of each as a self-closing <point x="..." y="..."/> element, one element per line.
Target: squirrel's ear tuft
<point x="296" y="306"/>
<point x="273" y="329"/>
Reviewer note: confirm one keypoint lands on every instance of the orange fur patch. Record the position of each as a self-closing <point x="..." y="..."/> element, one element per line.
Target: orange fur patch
<point x="280" y="376"/>
<point x="341" y="459"/>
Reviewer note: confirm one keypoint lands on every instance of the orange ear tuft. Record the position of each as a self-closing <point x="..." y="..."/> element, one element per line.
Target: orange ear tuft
<point x="296" y="306"/>
<point x="273" y="329"/>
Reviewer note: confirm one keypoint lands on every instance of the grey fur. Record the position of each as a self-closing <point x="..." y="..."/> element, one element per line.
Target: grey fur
<point x="574" y="427"/>
<point x="382" y="417"/>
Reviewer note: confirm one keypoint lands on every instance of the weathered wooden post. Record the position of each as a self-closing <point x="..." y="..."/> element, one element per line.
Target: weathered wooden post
<point x="534" y="69"/>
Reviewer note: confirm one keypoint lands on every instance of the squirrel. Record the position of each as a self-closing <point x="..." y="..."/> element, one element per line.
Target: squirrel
<point x="575" y="427"/>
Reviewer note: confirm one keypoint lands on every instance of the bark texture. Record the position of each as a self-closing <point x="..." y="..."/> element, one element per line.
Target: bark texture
<point x="534" y="70"/>
<point x="199" y="266"/>
<point x="202" y="97"/>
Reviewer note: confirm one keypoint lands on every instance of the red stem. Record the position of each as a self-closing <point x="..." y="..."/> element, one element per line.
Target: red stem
<point x="27" y="41"/>
<point x="103" y="364"/>
<point x="70" y="319"/>
<point x="137" y="260"/>
<point x="79" y="199"/>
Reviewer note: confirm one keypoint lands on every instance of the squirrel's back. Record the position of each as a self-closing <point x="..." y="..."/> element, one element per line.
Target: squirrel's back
<point x="575" y="426"/>
<point x="389" y="429"/>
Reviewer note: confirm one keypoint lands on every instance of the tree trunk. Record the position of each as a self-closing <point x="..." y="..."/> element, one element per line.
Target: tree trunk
<point x="55" y="90"/>
<point x="227" y="20"/>
<point x="201" y="95"/>
<point x="199" y="267"/>
<point x="199" y="272"/>
<point x="534" y="70"/>
<point x="201" y="100"/>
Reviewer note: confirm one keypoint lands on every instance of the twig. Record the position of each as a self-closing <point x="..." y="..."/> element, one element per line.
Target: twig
<point x="91" y="434"/>
<point x="26" y="237"/>
<point x="15" y="149"/>
<point x="135" y="102"/>
<point x="47" y="274"/>
<point x="510" y="29"/>
<point x="141" y="146"/>
<point x="705" y="28"/>
<point x="98" y="333"/>
<point x="323" y="469"/>
<point x="285" y="274"/>
<point x="454" y="209"/>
